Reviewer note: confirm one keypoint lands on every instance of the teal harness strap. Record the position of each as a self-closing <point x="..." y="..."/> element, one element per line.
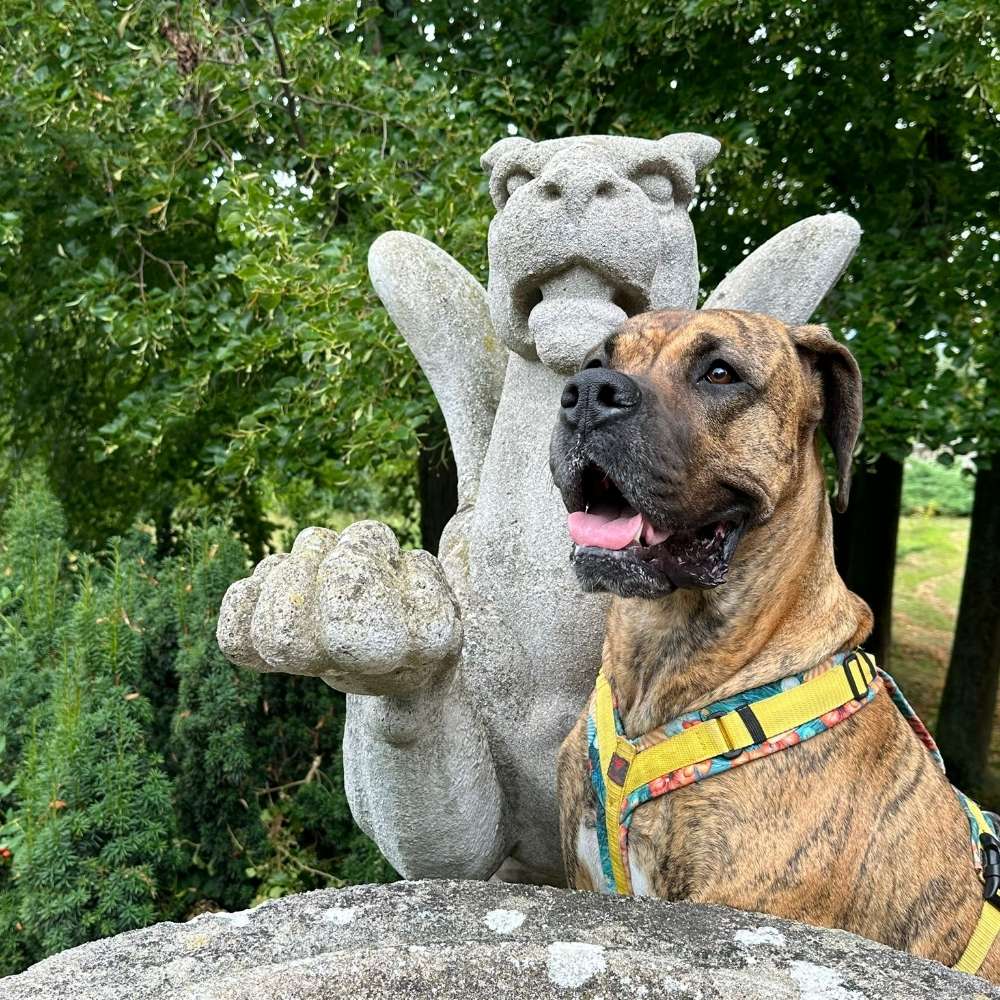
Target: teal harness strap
<point x="983" y="826"/>
<point x="983" y="829"/>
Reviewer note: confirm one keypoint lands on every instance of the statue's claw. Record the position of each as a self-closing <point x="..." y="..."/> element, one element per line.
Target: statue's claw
<point x="352" y="608"/>
<point x="790" y="274"/>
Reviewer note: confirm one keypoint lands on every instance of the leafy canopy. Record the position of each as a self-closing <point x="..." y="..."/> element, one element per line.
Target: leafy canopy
<point x="886" y="110"/>
<point x="188" y="192"/>
<point x="187" y="195"/>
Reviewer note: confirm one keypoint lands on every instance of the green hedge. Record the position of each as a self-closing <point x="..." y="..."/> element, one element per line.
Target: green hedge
<point x="142" y="776"/>
<point x="933" y="488"/>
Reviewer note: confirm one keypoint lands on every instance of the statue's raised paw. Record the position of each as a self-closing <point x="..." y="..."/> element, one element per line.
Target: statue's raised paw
<point x="352" y="608"/>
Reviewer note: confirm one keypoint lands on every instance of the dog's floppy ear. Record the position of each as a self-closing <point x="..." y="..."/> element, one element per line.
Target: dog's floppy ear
<point x="842" y="400"/>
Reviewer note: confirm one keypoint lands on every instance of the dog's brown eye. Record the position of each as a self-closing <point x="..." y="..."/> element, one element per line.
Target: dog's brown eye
<point x="719" y="373"/>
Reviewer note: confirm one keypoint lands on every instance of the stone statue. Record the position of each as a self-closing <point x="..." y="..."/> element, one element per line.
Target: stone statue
<point x="464" y="672"/>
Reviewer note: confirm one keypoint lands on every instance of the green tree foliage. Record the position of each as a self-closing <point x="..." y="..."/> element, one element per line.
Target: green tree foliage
<point x="885" y="110"/>
<point x="143" y="777"/>
<point x="932" y="488"/>
<point x="188" y="192"/>
<point x="187" y="195"/>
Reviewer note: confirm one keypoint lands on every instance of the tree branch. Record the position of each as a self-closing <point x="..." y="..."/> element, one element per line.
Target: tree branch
<point x="290" y="102"/>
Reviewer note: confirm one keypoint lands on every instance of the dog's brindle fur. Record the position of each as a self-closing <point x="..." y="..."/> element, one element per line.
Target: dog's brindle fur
<point x="855" y="828"/>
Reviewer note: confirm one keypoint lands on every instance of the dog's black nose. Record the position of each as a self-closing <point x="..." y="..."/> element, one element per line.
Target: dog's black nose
<point x="597" y="396"/>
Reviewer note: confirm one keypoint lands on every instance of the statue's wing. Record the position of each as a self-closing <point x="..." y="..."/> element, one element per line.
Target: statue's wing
<point x="442" y="312"/>
<point x="791" y="273"/>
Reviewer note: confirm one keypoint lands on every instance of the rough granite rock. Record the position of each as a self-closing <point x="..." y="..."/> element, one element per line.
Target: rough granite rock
<point x="457" y="940"/>
<point x="465" y="672"/>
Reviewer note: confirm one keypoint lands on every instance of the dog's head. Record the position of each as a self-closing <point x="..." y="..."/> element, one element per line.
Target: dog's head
<point x="684" y="432"/>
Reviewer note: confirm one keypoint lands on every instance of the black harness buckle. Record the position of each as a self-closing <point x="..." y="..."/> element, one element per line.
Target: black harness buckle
<point x="990" y="847"/>
<point x="728" y="754"/>
<point x="862" y="659"/>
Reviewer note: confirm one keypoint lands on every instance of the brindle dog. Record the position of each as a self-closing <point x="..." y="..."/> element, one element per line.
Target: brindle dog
<point x="687" y="453"/>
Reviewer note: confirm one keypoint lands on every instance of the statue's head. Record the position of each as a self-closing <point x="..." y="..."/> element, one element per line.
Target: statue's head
<point x="588" y="231"/>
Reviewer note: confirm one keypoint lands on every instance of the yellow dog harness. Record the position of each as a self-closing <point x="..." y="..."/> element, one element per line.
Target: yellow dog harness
<point x="625" y="773"/>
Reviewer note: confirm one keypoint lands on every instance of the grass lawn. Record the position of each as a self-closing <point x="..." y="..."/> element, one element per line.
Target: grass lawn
<point x="930" y="560"/>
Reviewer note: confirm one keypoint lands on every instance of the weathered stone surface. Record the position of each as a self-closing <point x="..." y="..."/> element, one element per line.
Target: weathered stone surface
<point x="398" y="633"/>
<point x="790" y="274"/>
<point x="465" y="940"/>
<point x="589" y="230"/>
<point x="464" y="674"/>
<point x="443" y="313"/>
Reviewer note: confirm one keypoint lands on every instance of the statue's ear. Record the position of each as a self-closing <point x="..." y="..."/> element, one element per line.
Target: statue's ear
<point x="500" y="149"/>
<point x="699" y="149"/>
<point x="840" y="379"/>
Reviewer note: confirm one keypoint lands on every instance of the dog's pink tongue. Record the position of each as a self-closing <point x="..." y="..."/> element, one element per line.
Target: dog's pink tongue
<point x="603" y="530"/>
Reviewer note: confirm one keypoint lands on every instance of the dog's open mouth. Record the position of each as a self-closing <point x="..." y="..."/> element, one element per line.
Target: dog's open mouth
<point x="610" y="530"/>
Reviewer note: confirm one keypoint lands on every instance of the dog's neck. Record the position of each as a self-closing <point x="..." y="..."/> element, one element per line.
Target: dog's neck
<point x="783" y="610"/>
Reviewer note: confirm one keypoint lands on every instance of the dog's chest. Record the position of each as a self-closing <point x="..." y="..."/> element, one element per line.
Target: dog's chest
<point x="588" y="857"/>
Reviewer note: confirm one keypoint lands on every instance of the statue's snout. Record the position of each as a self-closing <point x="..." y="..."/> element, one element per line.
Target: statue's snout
<point x="574" y="183"/>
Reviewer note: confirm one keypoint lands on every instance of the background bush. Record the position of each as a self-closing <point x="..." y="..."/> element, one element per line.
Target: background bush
<point x="932" y="488"/>
<point x="142" y="776"/>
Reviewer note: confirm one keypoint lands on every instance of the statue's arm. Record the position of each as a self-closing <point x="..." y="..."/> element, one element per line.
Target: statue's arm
<point x="383" y="625"/>
<point x="790" y="274"/>
<point x="442" y="312"/>
<point x="421" y="783"/>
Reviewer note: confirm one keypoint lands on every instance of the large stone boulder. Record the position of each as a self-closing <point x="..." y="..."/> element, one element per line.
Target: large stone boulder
<point x="464" y="939"/>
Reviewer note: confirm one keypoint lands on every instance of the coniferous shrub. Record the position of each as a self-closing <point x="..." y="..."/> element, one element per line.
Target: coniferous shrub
<point x="88" y="825"/>
<point x="142" y="776"/>
<point x="98" y="840"/>
<point x="31" y="566"/>
<point x="32" y="589"/>
<point x="213" y="750"/>
<point x="304" y="805"/>
<point x="96" y="843"/>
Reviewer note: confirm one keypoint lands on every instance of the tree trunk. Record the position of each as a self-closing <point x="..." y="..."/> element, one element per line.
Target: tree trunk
<point x="251" y="524"/>
<point x="165" y="540"/>
<point x="865" y="544"/>
<point x="970" y="690"/>
<point x="438" y="480"/>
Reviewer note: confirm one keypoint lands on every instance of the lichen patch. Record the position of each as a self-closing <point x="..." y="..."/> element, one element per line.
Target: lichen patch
<point x="573" y="963"/>
<point x="504" y="921"/>
<point x="820" y="982"/>
<point x="758" y="936"/>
